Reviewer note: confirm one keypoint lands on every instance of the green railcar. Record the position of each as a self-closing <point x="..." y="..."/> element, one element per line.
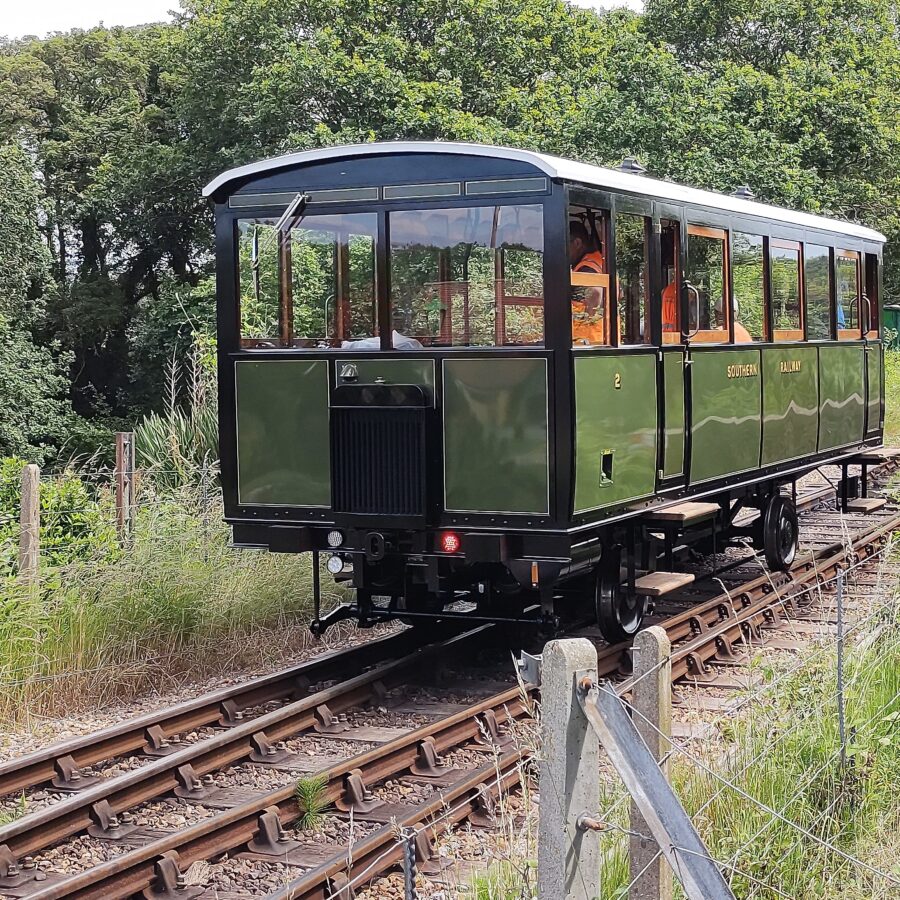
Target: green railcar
<point x="487" y="376"/>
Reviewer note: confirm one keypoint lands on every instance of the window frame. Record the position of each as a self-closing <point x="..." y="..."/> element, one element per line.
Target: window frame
<point x="829" y="268"/>
<point x="648" y="221"/>
<point x="786" y="335"/>
<point x="848" y="334"/>
<point x="487" y="203"/>
<point x="604" y="209"/>
<point x="381" y="209"/>
<point x="871" y="288"/>
<point x="704" y="336"/>
<point x="286" y="338"/>
<point x="766" y="284"/>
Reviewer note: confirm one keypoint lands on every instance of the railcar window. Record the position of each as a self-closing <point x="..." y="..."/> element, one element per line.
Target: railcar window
<point x="706" y="284"/>
<point x="670" y="260"/>
<point x="311" y="286"/>
<point x="259" y="296"/>
<point x="748" y="274"/>
<point x="784" y="276"/>
<point x="870" y="297"/>
<point x="631" y="277"/>
<point x="847" y="291"/>
<point x="590" y="276"/>
<point x="468" y="277"/>
<point x="817" y="281"/>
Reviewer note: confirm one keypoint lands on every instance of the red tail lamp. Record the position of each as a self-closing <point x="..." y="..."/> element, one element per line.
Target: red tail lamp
<point x="450" y="542"/>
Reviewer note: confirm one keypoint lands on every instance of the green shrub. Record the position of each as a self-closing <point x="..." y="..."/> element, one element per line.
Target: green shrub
<point x="181" y="445"/>
<point x="177" y="601"/>
<point x="75" y="525"/>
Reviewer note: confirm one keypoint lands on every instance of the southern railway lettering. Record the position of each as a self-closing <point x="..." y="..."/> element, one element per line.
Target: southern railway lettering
<point x="750" y="370"/>
<point x="790" y="365"/>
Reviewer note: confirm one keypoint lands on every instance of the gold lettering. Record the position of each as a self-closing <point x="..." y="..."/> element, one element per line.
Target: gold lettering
<point x="748" y="370"/>
<point x="790" y="365"/>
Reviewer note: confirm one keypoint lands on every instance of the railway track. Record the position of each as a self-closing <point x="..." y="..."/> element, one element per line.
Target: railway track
<point x="705" y="623"/>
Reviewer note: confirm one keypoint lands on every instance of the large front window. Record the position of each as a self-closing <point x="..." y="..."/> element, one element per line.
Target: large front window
<point x="467" y="277"/>
<point x="459" y="277"/>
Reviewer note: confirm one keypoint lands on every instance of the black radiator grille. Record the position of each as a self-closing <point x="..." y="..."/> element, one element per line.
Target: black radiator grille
<point x="378" y="461"/>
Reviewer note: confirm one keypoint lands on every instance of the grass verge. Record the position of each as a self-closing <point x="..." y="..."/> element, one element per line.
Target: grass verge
<point x="178" y="603"/>
<point x="892" y="398"/>
<point x="784" y="752"/>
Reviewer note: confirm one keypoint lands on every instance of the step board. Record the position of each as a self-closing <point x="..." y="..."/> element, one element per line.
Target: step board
<point x="655" y="584"/>
<point x="684" y="513"/>
<point x="865" y="505"/>
<point x="875" y="455"/>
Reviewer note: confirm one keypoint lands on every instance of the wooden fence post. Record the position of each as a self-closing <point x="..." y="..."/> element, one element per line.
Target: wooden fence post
<point x="30" y="524"/>
<point x="568" y="854"/>
<point x="124" y="484"/>
<point x="652" y="698"/>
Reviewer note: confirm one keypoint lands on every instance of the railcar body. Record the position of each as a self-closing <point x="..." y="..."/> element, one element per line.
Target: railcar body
<point x="475" y="374"/>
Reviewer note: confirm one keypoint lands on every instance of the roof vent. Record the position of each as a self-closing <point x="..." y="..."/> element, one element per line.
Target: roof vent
<point x="631" y="165"/>
<point x="744" y="193"/>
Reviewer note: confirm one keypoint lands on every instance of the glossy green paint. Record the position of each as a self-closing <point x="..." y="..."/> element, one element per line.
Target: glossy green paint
<point x="874" y="368"/>
<point x="841" y="395"/>
<point x="673" y="391"/>
<point x="725" y="412"/>
<point x="615" y="412"/>
<point x="790" y="403"/>
<point x="282" y="432"/>
<point x="393" y="371"/>
<point x="496" y="438"/>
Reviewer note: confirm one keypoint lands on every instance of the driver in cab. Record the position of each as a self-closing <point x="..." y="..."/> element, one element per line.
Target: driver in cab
<point x="588" y="306"/>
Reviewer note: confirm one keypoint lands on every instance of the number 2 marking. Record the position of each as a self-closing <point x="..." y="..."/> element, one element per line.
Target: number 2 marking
<point x="618" y="381"/>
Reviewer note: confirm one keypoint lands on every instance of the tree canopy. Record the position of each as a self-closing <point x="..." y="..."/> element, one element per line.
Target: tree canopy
<point x="107" y="136"/>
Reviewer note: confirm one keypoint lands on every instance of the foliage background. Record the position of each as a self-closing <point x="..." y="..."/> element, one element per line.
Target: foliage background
<point x="107" y="136"/>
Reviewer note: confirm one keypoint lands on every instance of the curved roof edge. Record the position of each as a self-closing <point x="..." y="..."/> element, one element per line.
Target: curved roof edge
<point x="559" y="168"/>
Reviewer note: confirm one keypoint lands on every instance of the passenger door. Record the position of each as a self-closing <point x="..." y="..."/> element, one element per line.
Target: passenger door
<point x="671" y="470"/>
<point x="870" y="316"/>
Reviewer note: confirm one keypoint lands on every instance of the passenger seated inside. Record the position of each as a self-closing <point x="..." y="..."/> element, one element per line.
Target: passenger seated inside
<point x="669" y="245"/>
<point x="588" y="303"/>
<point x="741" y="335"/>
<point x="399" y="341"/>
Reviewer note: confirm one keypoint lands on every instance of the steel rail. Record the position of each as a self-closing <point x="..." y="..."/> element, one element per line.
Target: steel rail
<point x="222" y="707"/>
<point x="381" y="850"/>
<point x="135" y="871"/>
<point x="40" y="830"/>
<point x="741" y="624"/>
<point x="238" y="826"/>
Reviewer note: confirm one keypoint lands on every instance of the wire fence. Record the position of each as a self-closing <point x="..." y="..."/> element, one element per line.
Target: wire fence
<point x="791" y="803"/>
<point x="91" y="515"/>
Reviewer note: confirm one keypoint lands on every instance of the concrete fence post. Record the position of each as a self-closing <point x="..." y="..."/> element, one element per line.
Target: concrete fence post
<point x="568" y="856"/>
<point x="30" y="524"/>
<point x="652" y="698"/>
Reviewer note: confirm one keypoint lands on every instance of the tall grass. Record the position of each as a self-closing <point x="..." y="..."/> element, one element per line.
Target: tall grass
<point x="785" y="754"/>
<point x="892" y="398"/>
<point x="177" y="602"/>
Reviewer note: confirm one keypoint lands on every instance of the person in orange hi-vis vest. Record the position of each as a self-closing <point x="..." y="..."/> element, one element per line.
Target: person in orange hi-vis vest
<point x="670" y="307"/>
<point x="588" y="314"/>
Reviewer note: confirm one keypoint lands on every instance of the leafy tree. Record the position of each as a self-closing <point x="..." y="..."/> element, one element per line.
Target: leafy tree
<point x="24" y="262"/>
<point x="34" y="409"/>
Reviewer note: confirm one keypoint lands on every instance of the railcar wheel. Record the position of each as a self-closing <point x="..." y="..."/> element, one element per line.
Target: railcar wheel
<point x="780" y="533"/>
<point x="619" y="613"/>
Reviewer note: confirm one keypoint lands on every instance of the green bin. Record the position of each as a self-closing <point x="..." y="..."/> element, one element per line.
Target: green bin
<point x="892" y="326"/>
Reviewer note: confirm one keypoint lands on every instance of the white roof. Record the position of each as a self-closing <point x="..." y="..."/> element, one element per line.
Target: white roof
<point x="563" y="169"/>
